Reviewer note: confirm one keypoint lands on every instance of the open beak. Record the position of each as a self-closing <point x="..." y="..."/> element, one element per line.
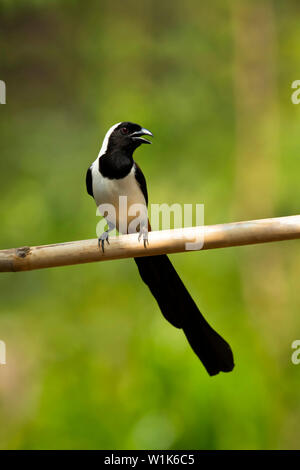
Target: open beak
<point x="136" y="136"/>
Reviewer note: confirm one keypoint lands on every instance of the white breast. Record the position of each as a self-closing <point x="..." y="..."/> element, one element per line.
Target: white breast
<point x="108" y="191"/>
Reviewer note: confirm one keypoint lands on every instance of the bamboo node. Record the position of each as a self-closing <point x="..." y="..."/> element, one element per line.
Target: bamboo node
<point x="23" y="251"/>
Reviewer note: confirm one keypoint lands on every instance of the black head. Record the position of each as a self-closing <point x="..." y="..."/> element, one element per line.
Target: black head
<point x="125" y="136"/>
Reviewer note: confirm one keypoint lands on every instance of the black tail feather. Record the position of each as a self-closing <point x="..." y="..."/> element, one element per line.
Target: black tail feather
<point x="180" y="310"/>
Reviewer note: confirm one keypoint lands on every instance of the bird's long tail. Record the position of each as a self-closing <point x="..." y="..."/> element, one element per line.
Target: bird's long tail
<point x="180" y="310"/>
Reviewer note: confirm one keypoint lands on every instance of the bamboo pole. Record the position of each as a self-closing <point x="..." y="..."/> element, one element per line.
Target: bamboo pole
<point x="160" y="242"/>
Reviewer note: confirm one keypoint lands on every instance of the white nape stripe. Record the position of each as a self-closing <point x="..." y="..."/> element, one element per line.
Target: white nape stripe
<point x="106" y="139"/>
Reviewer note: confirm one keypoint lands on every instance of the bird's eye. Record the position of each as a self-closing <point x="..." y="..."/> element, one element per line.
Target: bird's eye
<point x="125" y="130"/>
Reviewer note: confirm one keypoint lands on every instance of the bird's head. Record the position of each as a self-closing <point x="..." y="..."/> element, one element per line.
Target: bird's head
<point x="125" y="136"/>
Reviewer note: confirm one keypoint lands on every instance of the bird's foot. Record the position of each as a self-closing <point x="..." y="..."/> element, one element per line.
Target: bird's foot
<point x="102" y="239"/>
<point x="144" y="233"/>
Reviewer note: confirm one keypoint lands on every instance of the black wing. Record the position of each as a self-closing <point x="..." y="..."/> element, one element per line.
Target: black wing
<point x="139" y="176"/>
<point x="89" y="182"/>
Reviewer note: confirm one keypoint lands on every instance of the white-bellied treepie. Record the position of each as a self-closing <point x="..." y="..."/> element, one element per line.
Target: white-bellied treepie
<point x="114" y="173"/>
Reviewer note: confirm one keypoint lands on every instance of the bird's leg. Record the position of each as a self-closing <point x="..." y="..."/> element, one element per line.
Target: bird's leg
<point x="105" y="236"/>
<point x="144" y="233"/>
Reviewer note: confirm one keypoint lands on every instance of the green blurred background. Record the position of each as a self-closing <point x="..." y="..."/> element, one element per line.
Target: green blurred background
<point x="91" y="363"/>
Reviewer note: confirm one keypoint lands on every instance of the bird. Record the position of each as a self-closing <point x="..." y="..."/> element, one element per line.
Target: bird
<point x="114" y="174"/>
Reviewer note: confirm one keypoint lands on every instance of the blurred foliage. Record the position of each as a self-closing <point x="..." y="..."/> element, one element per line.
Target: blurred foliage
<point x="91" y="361"/>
